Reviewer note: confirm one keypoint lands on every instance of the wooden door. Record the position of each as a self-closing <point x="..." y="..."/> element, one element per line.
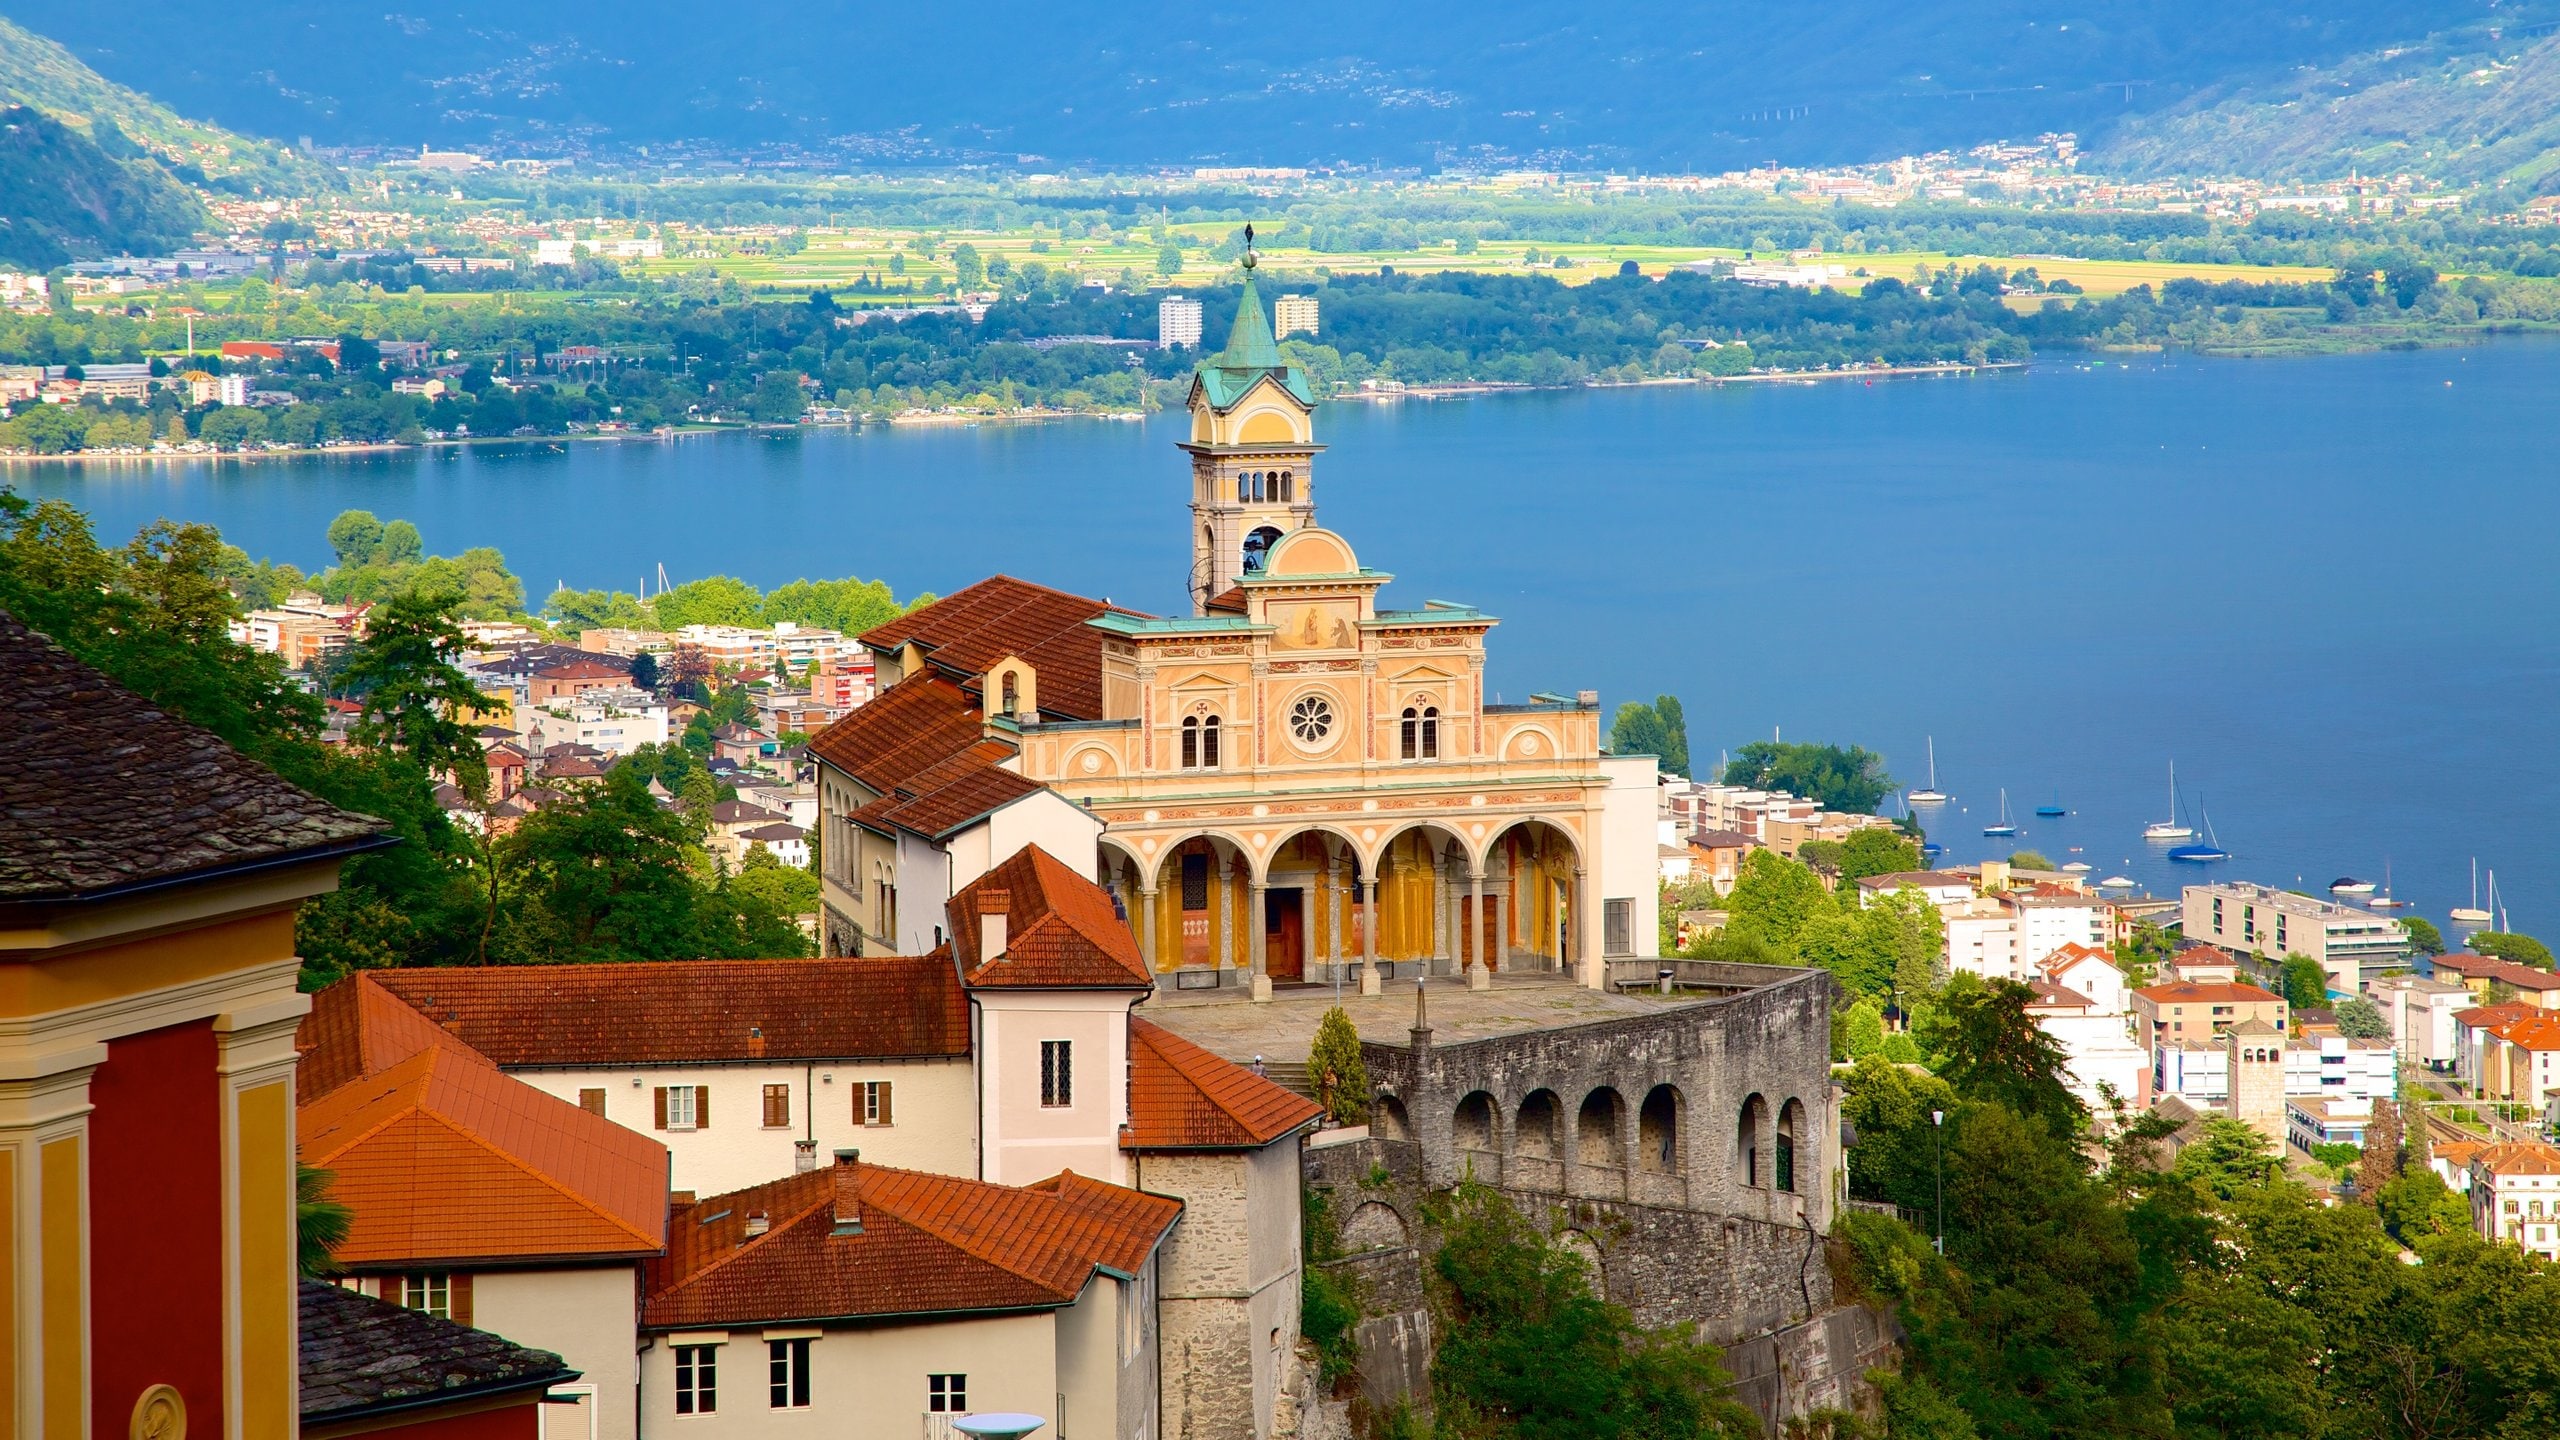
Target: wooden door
<point x="1480" y="935"/>
<point x="1284" y="935"/>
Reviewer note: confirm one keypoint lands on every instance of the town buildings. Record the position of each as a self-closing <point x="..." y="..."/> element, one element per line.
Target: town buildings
<point x="2421" y="1014"/>
<point x="1178" y="323"/>
<point x="2182" y="1010"/>
<point x="303" y="630"/>
<point x="1293" y="315"/>
<point x="614" y="720"/>
<point x="2520" y="1061"/>
<point x="2310" y="1065"/>
<point x="2354" y="945"/>
<point x="2515" y="1196"/>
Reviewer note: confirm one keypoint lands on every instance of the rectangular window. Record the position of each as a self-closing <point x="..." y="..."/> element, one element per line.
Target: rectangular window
<point x="873" y="1097"/>
<point x="591" y="1101"/>
<point x="1057" y="1073"/>
<point x="1618" y="926"/>
<point x="430" y="1293"/>
<point x="697" y="1379"/>
<point x="777" y="1107"/>
<point x="681" y="1107"/>
<point x="1195" y="883"/>
<point x="946" y="1394"/>
<point x="788" y="1363"/>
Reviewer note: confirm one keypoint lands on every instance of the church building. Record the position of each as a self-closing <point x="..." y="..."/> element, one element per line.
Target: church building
<point x="1297" y="782"/>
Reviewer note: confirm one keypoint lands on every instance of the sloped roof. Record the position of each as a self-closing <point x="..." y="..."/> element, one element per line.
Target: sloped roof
<point x="2539" y="1030"/>
<point x="1061" y="930"/>
<point x="1181" y="1097"/>
<point x="907" y="729"/>
<point x="356" y="1028"/>
<point x="1251" y="355"/>
<point x="2489" y="1017"/>
<point x="101" y="790"/>
<point x="442" y="1157"/>
<point x="2191" y="992"/>
<point x="2064" y="957"/>
<point x="866" y="1240"/>
<point x="950" y="794"/>
<point x="2518" y="1157"/>
<point x="694" y="1011"/>
<point x="361" y="1355"/>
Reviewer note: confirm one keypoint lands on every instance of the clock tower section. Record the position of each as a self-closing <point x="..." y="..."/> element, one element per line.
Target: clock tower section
<point x="1252" y="451"/>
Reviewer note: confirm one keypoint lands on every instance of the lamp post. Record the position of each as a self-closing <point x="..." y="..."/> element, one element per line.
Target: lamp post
<point x="1938" y="1131"/>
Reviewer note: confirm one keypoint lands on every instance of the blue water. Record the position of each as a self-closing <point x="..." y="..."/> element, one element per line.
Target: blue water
<point x="2328" y="588"/>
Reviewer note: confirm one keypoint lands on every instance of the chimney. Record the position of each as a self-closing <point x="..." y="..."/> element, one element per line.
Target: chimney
<point x="755" y="1042"/>
<point x="848" y="1194"/>
<point x="992" y="905"/>
<point x="757" y="1223"/>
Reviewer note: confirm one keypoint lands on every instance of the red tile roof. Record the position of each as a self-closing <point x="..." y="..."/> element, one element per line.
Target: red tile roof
<point x="2489" y="1017"/>
<point x="2537" y="1031"/>
<point x="2069" y="955"/>
<point x="2189" y="992"/>
<point x="969" y="630"/>
<point x="355" y="1029"/>
<point x="695" y="1011"/>
<point x="866" y="1240"/>
<point x="907" y="729"/>
<point x="1181" y="1097"/>
<point x="1061" y="930"/>
<point x="2518" y="1157"/>
<point x="950" y="795"/>
<point x="443" y="1158"/>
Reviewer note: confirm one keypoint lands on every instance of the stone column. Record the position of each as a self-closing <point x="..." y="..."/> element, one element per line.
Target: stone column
<point x="1480" y="971"/>
<point x="1589" y="968"/>
<point x="1444" y="926"/>
<point x="1369" y="933"/>
<point x="1147" y="918"/>
<point x="1257" y="921"/>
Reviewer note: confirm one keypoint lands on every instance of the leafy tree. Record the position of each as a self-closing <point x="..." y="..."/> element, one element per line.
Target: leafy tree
<point x="644" y="670"/>
<point x="1774" y="899"/>
<point x="1846" y="778"/>
<point x="2030" y="860"/>
<point x="232" y="427"/>
<point x="1897" y="1152"/>
<point x="778" y="398"/>
<point x="967" y="269"/>
<point x="1659" y="729"/>
<point x="2361" y="1019"/>
<point x="1873" y="947"/>
<point x="2424" y="937"/>
<point x="400" y="545"/>
<point x="713" y="600"/>
<point x="1877" y="852"/>
<point x="2506" y="945"/>
<point x="1986" y="1045"/>
<point x="1169" y="261"/>
<point x="1334" y="1065"/>
<point x="354" y="536"/>
<point x="604" y="874"/>
<point x="2380" y="1163"/>
<point x="2227" y="1157"/>
<point x="2418" y="1204"/>
<point x="850" y="605"/>
<point x="320" y="1224"/>
<point x="1859" y="1030"/>
<point x="416" y="699"/>
<point x="2306" y="985"/>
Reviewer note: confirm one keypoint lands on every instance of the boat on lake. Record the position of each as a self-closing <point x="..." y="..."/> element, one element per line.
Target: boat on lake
<point x="2472" y="914"/>
<point x="2115" y="882"/>
<point x="2077" y="867"/>
<point x="2384" y="901"/>
<point x="2005" y="825"/>
<point x="2350" y="885"/>
<point x="2205" y="851"/>
<point x="1930" y="794"/>
<point x="2169" y="829"/>
<point x="2053" y="809"/>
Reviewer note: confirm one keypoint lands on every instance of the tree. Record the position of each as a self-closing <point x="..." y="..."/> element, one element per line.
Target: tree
<point x="1985" y="1044"/>
<point x="604" y="874"/>
<point x="2381" y="1158"/>
<point x="415" y="698"/>
<point x="2424" y="937"/>
<point x="778" y="398"/>
<point x="1774" y="899"/>
<point x="644" y="670"/>
<point x="713" y="600"/>
<point x="400" y="545"/>
<point x="2506" y="945"/>
<point x="2226" y="1157"/>
<point x="232" y="427"/>
<point x="1659" y="729"/>
<point x="354" y="536"/>
<point x="2030" y="860"/>
<point x="2418" y="1204"/>
<point x="2361" y="1019"/>
<point x="2306" y="985"/>
<point x="1847" y="778"/>
<point x="320" y="1224"/>
<point x="966" y="267"/>
<point x="1169" y="261"/>
<point x="1335" y="1068"/>
<point x="1877" y="852"/>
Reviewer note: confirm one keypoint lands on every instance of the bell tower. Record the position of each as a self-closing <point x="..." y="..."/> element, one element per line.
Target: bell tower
<point x="1252" y="450"/>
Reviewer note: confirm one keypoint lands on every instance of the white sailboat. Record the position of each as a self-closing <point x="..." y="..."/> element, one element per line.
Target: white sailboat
<point x="2385" y="901"/>
<point x="2170" y="829"/>
<point x="2006" y="826"/>
<point x="1930" y="794"/>
<point x="2472" y="914"/>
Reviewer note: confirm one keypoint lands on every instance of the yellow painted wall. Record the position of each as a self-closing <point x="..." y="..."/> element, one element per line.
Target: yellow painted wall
<point x="267" y="1259"/>
<point x="64" y="1306"/>
<point x="162" y="962"/>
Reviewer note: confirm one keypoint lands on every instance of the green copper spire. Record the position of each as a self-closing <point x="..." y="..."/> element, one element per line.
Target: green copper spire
<point x="1251" y="354"/>
<point x="1249" y="344"/>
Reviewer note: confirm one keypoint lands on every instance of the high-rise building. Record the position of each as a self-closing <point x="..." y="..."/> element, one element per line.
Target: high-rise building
<point x="1293" y="315"/>
<point x="1177" y="323"/>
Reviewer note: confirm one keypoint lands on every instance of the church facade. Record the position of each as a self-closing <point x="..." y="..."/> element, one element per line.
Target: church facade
<point x="1296" y="782"/>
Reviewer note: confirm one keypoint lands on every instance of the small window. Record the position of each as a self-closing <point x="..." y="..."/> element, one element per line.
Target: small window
<point x="777" y="1107"/>
<point x="1209" y="743"/>
<point x="874" y="1099"/>
<point x="432" y="1294"/>
<point x="697" y="1379"/>
<point x="1411" y="747"/>
<point x="1244" y="487"/>
<point x="683" y="1107"/>
<point x="1618" y="926"/>
<point x="1430" y="732"/>
<point x="1057" y="1074"/>
<point x="1195" y="883"/>
<point x="1288" y="488"/>
<point x="591" y="1101"/>
<point x="787" y="1362"/>
<point x="1191" y="742"/>
<point x="1786" y="1148"/>
<point x="946" y="1394"/>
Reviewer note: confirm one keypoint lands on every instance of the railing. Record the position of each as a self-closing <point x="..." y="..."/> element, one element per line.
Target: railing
<point x="939" y="1427"/>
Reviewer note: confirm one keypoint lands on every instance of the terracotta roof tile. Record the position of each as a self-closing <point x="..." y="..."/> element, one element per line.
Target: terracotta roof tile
<point x="2490" y="1017"/>
<point x="442" y="1157"/>
<point x="356" y="1028"/>
<point x="2539" y="1030"/>
<point x="2518" y="1157"/>
<point x="968" y="630"/>
<point x="1062" y="930"/>
<point x="99" y="789"/>
<point x="2189" y="992"/>
<point x="692" y="1011"/>
<point x="867" y="1240"/>
<point x="907" y="729"/>
<point x="949" y="795"/>
<point x="1181" y="1097"/>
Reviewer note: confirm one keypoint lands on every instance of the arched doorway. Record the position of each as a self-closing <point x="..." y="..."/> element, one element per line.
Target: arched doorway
<point x="1314" y="914"/>
<point x="1422" y="887"/>
<point x="1530" y="871"/>
<point x="1257" y="547"/>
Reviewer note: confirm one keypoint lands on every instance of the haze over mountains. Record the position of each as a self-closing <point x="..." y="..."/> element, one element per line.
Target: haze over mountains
<point x="1648" y="83"/>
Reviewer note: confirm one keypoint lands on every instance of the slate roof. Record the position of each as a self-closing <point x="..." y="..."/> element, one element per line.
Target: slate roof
<point x="1061" y="930"/>
<point x="852" y="1240"/>
<point x="100" y="790"/>
<point x="965" y="632"/>
<point x="695" y="1011"/>
<point x="442" y="1158"/>
<point x="1181" y="1097"/>
<point x="361" y="1355"/>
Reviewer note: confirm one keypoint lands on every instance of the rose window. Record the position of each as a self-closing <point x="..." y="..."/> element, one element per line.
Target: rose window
<point x="1311" y="719"/>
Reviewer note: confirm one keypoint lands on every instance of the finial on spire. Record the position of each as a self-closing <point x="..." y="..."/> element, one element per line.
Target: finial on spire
<point x="1248" y="245"/>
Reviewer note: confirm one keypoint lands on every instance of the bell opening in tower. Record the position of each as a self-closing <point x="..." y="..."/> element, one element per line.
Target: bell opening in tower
<point x="1257" y="548"/>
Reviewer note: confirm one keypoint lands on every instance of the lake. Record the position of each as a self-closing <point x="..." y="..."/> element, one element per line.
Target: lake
<point x="2328" y="588"/>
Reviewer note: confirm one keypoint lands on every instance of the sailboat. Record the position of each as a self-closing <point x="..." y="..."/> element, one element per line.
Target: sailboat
<point x="2472" y="914"/>
<point x="2205" y="851"/>
<point x="2006" y="826"/>
<point x="1930" y="794"/>
<point x="2049" y="811"/>
<point x="2169" y="829"/>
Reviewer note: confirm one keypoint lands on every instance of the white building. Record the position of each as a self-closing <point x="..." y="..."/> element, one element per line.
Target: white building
<point x="1293" y="315"/>
<point x="1178" y="323"/>
<point x="2420" y="1012"/>
<point x="2091" y="1026"/>
<point x="616" y="720"/>
<point x="555" y="252"/>
<point x="2354" y="945"/>
<point x="2515" y="1196"/>
<point x="750" y="648"/>
<point x="2199" y="1071"/>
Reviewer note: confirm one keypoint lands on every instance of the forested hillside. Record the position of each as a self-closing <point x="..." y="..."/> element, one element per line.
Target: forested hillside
<point x="62" y="197"/>
<point x="34" y="71"/>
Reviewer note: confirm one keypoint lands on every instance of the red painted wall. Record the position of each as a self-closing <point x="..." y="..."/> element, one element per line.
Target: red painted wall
<point x="155" y="1226"/>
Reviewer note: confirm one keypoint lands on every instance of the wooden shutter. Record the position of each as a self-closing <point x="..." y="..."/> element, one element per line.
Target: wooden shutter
<point x="777" y="1107"/>
<point x="458" y="1298"/>
<point x="884" y="1102"/>
<point x="701" y="1107"/>
<point x="661" y="1093"/>
<point x="591" y="1101"/>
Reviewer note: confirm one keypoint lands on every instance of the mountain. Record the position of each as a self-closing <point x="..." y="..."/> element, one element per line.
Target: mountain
<point x="2479" y="105"/>
<point x="1679" y="83"/>
<point x="37" y="72"/>
<point x="63" y="198"/>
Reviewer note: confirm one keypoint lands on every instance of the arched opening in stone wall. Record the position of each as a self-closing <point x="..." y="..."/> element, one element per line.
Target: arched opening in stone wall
<point x="1374" y="1227"/>
<point x="1585" y="1249"/>
<point x="1538" y="1135"/>
<point x="1387" y="1120"/>
<point x="1658" y="1132"/>
<point x="1790" y="1125"/>
<point x="1474" y="1129"/>
<point x="1595" y="1129"/>
<point x="1746" y="1141"/>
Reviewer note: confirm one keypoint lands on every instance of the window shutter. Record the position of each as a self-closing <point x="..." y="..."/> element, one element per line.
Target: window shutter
<point x="701" y="1107"/>
<point x="662" y="1107"/>
<point x="458" y="1298"/>
<point x="591" y="1101"/>
<point x="884" y="1102"/>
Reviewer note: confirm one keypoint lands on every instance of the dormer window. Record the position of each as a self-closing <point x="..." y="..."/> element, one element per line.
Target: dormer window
<point x="1200" y="742"/>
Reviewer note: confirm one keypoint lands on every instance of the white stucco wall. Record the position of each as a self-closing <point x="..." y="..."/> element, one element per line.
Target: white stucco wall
<point x="1024" y="1140"/>
<point x="585" y="1316"/>
<point x="865" y="1383"/>
<point x="933" y="1109"/>
<point x="1068" y="831"/>
<point x="1630" y="864"/>
<point x="1106" y="1363"/>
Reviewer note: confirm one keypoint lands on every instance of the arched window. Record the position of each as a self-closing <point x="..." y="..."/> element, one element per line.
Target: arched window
<point x="1412" y="746"/>
<point x="1209" y="743"/>
<point x="1288" y="488"/>
<point x="1755" y="1117"/>
<point x="1244" y="487"/>
<point x="1789" y="1118"/>
<point x="1012" y="694"/>
<point x="1199" y="742"/>
<point x="1257" y="486"/>
<point x="1430" y="732"/>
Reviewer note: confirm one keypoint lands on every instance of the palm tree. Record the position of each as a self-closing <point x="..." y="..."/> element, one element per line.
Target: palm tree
<point x="320" y="1223"/>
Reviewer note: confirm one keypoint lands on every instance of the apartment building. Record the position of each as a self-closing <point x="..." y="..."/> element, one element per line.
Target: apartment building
<point x="2354" y="945"/>
<point x="2334" y="1066"/>
<point x="2515" y="1196"/>
<point x="2201" y="1010"/>
<point x="740" y="647"/>
<point x="2421" y="1013"/>
<point x="1293" y="315"/>
<point x="1177" y="323"/>
<point x="613" y="721"/>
